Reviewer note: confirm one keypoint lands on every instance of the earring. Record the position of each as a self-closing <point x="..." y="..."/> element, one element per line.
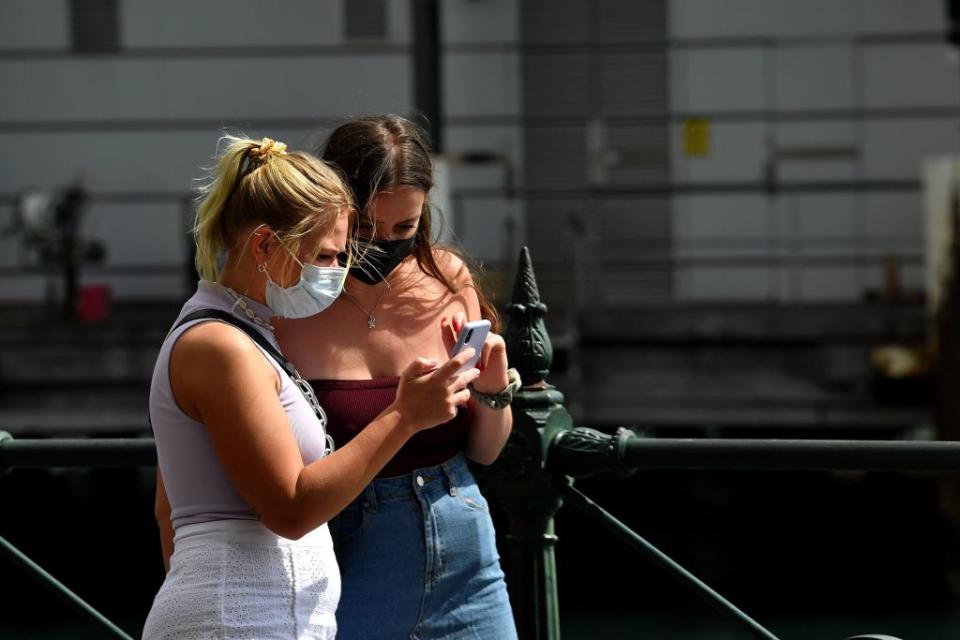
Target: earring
<point x="262" y="267"/>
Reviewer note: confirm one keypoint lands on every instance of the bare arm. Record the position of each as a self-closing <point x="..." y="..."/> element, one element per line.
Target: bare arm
<point x="221" y="378"/>
<point x="162" y="511"/>
<point x="489" y="428"/>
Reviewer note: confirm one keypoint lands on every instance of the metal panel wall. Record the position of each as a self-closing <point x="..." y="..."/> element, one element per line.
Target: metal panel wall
<point x="596" y="140"/>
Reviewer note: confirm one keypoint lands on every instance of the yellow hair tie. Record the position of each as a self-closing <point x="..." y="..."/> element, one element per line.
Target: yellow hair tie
<point x="269" y="148"/>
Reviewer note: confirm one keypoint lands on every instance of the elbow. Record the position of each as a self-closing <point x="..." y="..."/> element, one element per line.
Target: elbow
<point x="484" y="457"/>
<point x="292" y="513"/>
<point x="286" y="526"/>
<point x="292" y="524"/>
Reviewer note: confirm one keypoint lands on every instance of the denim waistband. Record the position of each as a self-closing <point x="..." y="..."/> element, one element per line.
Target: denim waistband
<point x="442" y="478"/>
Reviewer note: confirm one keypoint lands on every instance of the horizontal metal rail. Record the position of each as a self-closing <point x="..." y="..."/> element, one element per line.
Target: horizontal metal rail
<point x="639" y="453"/>
<point x="76" y="452"/>
<point x="581" y="452"/>
<point x="795" y="455"/>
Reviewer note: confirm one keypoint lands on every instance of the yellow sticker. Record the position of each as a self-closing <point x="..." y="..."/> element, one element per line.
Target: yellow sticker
<point x="696" y="137"/>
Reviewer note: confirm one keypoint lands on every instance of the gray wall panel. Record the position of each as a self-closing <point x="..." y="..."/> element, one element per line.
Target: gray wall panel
<point x="165" y="162"/>
<point x="246" y="23"/>
<point x="713" y="80"/>
<point x="491" y="229"/>
<point x="895" y="149"/>
<point x="698" y="219"/>
<point x="813" y="77"/>
<point x="119" y="89"/>
<point x="490" y="21"/>
<point x="34" y="24"/>
<point x="898" y="16"/>
<point x="910" y="75"/>
<point x="139" y="234"/>
<point x="827" y="217"/>
<point x="482" y="84"/>
<point x="745" y="18"/>
<point x="898" y="216"/>
<point x="869" y="84"/>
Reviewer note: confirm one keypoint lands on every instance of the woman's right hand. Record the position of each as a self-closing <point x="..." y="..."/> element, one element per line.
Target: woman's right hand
<point x="429" y="394"/>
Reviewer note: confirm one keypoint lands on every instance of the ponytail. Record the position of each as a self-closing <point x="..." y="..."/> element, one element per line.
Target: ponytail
<point x="259" y="182"/>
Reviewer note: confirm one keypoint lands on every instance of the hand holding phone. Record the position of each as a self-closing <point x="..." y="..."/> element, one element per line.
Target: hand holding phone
<point x="472" y="334"/>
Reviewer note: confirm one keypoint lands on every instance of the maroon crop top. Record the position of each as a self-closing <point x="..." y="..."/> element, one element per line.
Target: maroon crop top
<point x="352" y="404"/>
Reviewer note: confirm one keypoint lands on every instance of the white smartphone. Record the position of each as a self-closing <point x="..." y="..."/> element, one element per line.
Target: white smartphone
<point x="473" y="334"/>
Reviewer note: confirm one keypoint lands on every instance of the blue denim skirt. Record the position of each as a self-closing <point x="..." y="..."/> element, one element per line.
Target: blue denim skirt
<point x="418" y="560"/>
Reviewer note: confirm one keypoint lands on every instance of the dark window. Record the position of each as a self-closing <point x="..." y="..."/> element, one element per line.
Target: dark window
<point x="94" y="26"/>
<point x="366" y="19"/>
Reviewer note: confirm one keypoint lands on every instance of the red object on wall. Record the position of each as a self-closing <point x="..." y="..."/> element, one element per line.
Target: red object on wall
<point x="93" y="302"/>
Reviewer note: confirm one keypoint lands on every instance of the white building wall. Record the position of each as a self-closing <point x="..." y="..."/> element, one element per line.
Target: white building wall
<point x="871" y="78"/>
<point x="483" y="112"/>
<point x="868" y="76"/>
<point x="136" y="127"/>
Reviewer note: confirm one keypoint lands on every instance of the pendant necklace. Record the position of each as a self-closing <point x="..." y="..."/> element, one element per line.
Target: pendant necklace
<point x="371" y="318"/>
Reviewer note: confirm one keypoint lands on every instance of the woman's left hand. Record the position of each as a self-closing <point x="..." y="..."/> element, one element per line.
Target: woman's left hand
<point x="493" y="359"/>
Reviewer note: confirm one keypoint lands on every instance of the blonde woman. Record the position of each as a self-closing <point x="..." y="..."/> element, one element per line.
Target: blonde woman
<point x="246" y="479"/>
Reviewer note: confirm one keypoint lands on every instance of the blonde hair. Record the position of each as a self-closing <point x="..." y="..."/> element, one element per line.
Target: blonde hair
<point x="254" y="182"/>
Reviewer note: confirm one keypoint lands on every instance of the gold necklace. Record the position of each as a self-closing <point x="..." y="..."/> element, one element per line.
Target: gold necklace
<point x="371" y="319"/>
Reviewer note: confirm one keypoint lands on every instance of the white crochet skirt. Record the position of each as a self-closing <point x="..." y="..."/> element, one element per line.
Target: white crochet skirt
<point x="234" y="579"/>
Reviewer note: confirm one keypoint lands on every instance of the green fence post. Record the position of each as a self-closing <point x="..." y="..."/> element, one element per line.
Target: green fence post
<point x="518" y="481"/>
<point x="5" y="437"/>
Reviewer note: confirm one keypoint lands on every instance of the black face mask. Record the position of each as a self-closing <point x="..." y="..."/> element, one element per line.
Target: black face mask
<point x="380" y="258"/>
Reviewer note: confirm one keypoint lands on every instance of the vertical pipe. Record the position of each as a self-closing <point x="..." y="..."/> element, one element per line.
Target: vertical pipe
<point x="426" y="69"/>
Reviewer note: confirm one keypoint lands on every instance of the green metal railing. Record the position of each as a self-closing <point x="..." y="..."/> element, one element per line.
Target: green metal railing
<point x="111" y="452"/>
<point x="535" y="474"/>
<point x="60" y="589"/>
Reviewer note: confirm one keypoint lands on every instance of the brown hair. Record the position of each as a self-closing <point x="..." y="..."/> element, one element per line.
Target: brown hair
<point x="381" y="153"/>
<point x="253" y="182"/>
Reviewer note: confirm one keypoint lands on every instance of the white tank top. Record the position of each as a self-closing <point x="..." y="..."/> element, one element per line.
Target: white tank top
<point x="197" y="485"/>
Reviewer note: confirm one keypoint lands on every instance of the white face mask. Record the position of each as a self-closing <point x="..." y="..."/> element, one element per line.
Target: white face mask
<point x="317" y="289"/>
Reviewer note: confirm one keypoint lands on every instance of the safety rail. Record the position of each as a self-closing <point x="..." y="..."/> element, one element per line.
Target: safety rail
<point x="576" y="453"/>
<point x="536" y="471"/>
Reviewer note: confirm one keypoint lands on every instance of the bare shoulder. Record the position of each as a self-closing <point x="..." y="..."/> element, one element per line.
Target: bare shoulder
<point x="452" y="266"/>
<point x="215" y="351"/>
<point x="214" y="339"/>
<point x="458" y="273"/>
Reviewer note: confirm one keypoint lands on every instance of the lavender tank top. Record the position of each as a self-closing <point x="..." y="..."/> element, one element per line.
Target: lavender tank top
<point x="197" y="485"/>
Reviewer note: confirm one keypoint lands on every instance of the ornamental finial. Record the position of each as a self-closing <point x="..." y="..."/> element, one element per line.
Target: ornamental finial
<point x="528" y="343"/>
